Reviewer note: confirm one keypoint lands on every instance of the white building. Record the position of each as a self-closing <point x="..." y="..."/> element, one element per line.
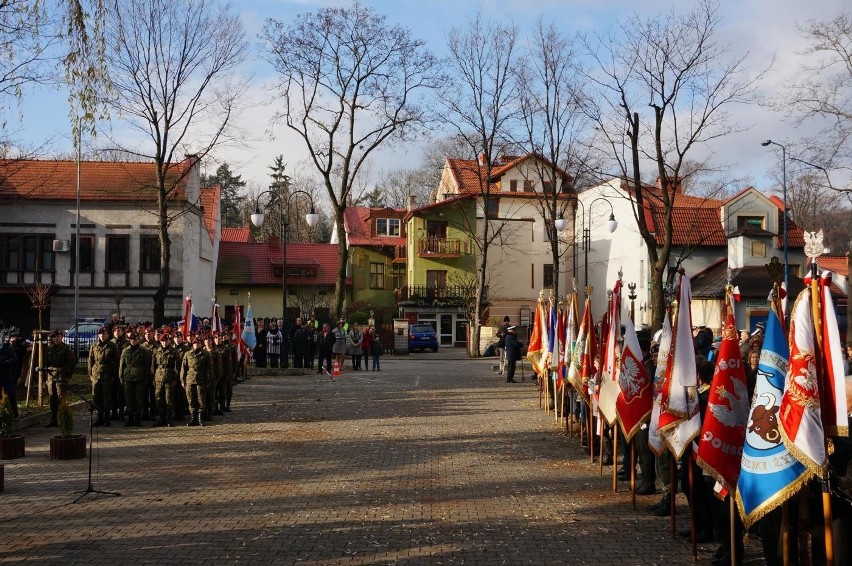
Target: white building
<point x="119" y="249"/>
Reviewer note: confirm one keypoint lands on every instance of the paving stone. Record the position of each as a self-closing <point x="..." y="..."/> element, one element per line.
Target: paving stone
<point x="435" y="460"/>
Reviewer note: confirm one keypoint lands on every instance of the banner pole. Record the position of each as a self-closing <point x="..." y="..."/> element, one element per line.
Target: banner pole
<point x="614" y="461"/>
<point x="688" y="463"/>
<point x="785" y="533"/>
<point x="826" y="515"/>
<point x="633" y="470"/>
<point x="672" y="494"/>
<point x="732" y="521"/>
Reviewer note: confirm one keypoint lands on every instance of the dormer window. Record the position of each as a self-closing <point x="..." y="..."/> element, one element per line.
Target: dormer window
<point x="387" y="226"/>
<point x="750" y="221"/>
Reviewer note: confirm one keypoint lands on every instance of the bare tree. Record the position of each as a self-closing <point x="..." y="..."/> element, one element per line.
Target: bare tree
<point x="822" y="92"/>
<point x="399" y="185"/>
<point x="482" y="104"/>
<point x="663" y="89"/>
<point x="171" y="64"/>
<point x="350" y="83"/>
<point x="556" y="128"/>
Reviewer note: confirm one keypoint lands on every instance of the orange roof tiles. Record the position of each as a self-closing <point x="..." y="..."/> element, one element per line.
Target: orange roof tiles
<point x="210" y="197"/>
<point x="29" y="179"/>
<point x="836" y="263"/>
<point x="243" y="235"/>
<point x="692" y="227"/>
<point x="360" y="220"/>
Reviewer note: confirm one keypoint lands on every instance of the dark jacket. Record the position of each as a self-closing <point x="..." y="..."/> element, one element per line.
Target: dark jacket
<point x="513" y="347"/>
<point x="8" y="362"/>
<point x="327" y="342"/>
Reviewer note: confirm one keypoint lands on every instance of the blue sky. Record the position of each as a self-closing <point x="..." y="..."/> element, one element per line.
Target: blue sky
<point x="764" y="28"/>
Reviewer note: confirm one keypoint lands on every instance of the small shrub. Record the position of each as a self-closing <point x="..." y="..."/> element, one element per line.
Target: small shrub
<point x="7" y="417"/>
<point x="65" y="419"/>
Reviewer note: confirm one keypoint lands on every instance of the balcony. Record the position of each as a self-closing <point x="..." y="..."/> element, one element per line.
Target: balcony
<point x="437" y="296"/>
<point x="442" y="247"/>
<point x="400" y="253"/>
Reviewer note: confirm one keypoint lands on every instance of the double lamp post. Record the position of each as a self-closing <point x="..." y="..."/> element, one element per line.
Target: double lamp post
<point x="284" y="209"/>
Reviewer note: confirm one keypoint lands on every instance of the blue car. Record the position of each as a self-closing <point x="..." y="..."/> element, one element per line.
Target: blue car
<point x="422" y="337"/>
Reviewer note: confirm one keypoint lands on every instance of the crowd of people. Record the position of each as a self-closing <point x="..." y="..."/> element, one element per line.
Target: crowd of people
<point x="308" y="341"/>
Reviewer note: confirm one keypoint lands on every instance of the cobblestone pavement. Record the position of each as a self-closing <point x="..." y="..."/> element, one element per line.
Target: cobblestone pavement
<point x="433" y="460"/>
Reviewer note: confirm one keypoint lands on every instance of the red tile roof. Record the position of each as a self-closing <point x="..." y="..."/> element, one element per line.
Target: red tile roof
<point x="246" y="263"/>
<point x="210" y="198"/>
<point x="237" y="235"/>
<point x="836" y="263"/>
<point x="692" y="227"/>
<point x="29" y="179"/>
<point x="359" y="222"/>
<point x="470" y="175"/>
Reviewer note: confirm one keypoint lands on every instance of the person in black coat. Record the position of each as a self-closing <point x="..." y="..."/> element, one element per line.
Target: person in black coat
<point x="8" y="375"/>
<point x="326" y="343"/>
<point x="300" y="345"/>
<point x="513" y="353"/>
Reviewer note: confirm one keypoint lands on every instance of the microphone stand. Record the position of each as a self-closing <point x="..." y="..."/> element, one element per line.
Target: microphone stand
<point x="90" y="488"/>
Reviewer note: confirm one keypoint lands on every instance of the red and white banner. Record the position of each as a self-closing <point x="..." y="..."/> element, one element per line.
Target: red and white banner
<point x="724" y="430"/>
<point x="611" y="362"/>
<point x="636" y="395"/>
<point x="187" y="315"/>
<point x="655" y="440"/>
<point x="585" y="349"/>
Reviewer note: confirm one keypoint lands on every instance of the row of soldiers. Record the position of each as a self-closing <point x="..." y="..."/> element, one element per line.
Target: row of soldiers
<point x="150" y="374"/>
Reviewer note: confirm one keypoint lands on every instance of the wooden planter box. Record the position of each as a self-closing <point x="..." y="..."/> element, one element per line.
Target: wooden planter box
<point x="12" y="447"/>
<point x="68" y="447"/>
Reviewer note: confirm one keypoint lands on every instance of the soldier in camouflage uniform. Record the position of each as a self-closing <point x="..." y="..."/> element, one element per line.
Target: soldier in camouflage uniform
<point x="164" y="367"/>
<point x="215" y="377"/>
<point x="195" y="376"/>
<point x="231" y="376"/>
<point x="181" y="401"/>
<point x="103" y="367"/>
<point x="149" y="399"/>
<point x="226" y="374"/>
<point x="60" y="366"/>
<point x="120" y="342"/>
<point x="133" y="370"/>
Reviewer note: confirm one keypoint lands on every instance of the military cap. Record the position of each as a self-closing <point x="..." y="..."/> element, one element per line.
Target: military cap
<point x="55" y="333"/>
<point x="103" y="329"/>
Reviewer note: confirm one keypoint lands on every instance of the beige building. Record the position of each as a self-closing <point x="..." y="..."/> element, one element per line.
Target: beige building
<point x="119" y="249"/>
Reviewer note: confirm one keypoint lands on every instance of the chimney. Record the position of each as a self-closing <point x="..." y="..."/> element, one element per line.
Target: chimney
<point x="412" y="203"/>
<point x="482" y="160"/>
<point x="675" y="184"/>
<point x="191" y="168"/>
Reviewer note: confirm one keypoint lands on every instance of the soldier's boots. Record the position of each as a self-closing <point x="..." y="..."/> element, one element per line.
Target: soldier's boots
<point x="129" y="421"/>
<point x="195" y="420"/>
<point x="52" y="422"/>
<point x="100" y="420"/>
<point x="162" y="421"/>
<point x="206" y="415"/>
<point x="219" y="409"/>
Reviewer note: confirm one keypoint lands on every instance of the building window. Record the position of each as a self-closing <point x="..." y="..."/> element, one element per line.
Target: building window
<point x="11" y="252"/>
<point x="547" y="187"/>
<point x="758" y="249"/>
<point x="529" y="186"/>
<point x="492" y="210"/>
<point x="87" y="253"/>
<point x="149" y="253"/>
<point x="752" y="221"/>
<point x="377" y="275"/>
<point x="30" y="253"/>
<point x="387" y="226"/>
<point x="398" y="272"/>
<point x="513" y="185"/>
<point x="45" y="256"/>
<point x="117" y="253"/>
<point x="547" y="280"/>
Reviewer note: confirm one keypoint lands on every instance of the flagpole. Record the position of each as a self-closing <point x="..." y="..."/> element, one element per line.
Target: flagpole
<point x="826" y="490"/>
<point x="785" y="533"/>
<point x="673" y="494"/>
<point x="614" y="460"/>
<point x="731" y="520"/>
<point x="633" y="471"/>
<point x="688" y="464"/>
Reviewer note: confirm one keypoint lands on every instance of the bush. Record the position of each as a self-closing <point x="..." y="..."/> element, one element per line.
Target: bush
<point x="65" y="419"/>
<point x="7" y="417"/>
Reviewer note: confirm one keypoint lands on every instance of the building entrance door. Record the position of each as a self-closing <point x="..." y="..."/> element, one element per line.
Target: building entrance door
<point x="446" y="330"/>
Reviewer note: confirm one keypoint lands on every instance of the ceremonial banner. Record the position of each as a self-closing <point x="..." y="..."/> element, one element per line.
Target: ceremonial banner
<point x="835" y="416"/>
<point x="769" y="474"/>
<point x="538" y="347"/>
<point x="585" y="350"/>
<point x="237" y="332"/>
<point x="723" y="431"/>
<point x="249" y="338"/>
<point x="800" y="416"/>
<point x="635" y="396"/>
<point x="553" y="336"/>
<point x="680" y="419"/>
<point x="215" y="321"/>
<point x="655" y="440"/>
<point x="610" y="364"/>
<point x="187" y="315"/>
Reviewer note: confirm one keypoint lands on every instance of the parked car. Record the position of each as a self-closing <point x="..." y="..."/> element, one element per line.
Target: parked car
<point x="422" y="337"/>
<point x="86" y="333"/>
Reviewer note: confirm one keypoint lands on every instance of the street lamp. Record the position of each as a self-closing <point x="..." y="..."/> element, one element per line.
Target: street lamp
<point x="611" y="225"/>
<point x="257" y="219"/>
<point x="559" y="224"/>
<point x="784" y="189"/>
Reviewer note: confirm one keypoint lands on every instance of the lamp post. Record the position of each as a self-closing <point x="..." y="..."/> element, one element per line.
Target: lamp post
<point x="784" y="195"/>
<point x="611" y="225"/>
<point x="559" y="224"/>
<point x="284" y="207"/>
